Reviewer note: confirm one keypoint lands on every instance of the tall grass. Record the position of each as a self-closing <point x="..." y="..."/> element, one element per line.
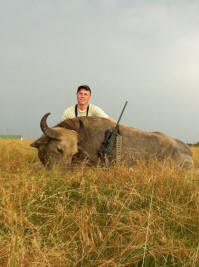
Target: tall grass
<point x="144" y="216"/>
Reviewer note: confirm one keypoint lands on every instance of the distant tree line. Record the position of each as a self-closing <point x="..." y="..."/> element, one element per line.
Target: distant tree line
<point x="195" y="144"/>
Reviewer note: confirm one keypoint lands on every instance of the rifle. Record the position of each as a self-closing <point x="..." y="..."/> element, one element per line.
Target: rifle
<point x="110" y="138"/>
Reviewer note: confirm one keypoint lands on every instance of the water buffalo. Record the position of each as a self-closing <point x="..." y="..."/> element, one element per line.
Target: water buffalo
<point x="81" y="138"/>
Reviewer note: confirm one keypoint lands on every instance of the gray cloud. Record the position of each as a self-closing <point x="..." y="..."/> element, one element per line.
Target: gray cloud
<point x="145" y="52"/>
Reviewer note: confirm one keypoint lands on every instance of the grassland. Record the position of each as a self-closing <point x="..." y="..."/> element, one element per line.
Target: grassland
<point x="145" y="216"/>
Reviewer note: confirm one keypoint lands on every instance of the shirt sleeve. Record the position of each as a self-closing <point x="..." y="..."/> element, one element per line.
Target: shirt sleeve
<point x="64" y="116"/>
<point x="98" y="112"/>
<point x="69" y="113"/>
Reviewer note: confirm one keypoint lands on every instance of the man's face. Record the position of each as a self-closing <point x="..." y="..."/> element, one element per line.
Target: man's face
<point x="83" y="97"/>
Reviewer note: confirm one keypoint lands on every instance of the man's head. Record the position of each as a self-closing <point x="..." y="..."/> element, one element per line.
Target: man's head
<point x="85" y="87"/>
<point x="83" y="95"/>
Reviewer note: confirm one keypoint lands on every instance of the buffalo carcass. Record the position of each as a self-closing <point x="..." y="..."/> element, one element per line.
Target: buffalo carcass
<point x="81" y="138"/>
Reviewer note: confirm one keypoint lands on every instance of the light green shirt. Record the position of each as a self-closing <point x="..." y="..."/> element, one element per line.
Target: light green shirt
<point x="95" y="111"/>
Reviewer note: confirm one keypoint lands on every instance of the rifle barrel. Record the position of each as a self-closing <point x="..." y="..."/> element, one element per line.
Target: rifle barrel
<point x="122" y="112"/>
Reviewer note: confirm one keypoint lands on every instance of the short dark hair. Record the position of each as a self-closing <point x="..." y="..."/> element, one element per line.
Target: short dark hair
<point x="85" y="87"/>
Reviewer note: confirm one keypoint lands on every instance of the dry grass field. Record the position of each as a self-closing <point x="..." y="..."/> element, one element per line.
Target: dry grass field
<point x="144" y="216"/>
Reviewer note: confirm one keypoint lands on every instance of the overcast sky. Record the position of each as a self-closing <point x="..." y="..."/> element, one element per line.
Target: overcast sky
<point x="145" y="52"/>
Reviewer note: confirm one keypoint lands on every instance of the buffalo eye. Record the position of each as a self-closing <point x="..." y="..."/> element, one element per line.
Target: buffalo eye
<point x="60" y="150"/>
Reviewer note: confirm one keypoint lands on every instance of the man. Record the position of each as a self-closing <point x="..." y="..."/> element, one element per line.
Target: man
<point x="83" y="108"/>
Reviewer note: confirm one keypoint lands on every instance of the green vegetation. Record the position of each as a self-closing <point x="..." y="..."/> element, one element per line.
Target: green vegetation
<point x="6" y="136"/>
<point x="196" y="144"/>
<point x="144" y="216"/>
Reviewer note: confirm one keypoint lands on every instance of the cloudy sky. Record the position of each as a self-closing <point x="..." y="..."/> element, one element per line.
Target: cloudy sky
<point x="145" y="52"/>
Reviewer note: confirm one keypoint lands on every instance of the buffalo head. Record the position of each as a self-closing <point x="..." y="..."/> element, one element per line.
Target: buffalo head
<point x="56" y="146"/>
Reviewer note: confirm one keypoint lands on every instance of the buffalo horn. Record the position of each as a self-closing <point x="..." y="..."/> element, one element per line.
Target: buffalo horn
<point x="50" y="132"/>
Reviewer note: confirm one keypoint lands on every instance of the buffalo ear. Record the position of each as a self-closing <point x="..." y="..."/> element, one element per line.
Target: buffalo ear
<point x="40" y="141"/>
<point x="35" y="144"/>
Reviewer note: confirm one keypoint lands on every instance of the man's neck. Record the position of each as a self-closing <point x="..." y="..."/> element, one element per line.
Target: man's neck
<point x="82" y="107"/>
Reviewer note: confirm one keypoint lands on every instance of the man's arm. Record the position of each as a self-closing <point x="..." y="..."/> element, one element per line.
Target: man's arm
<point x="98" y="112"/>
<point x="111" y="119"/>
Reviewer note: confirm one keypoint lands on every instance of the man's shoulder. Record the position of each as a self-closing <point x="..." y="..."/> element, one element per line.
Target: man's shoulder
<point x="97" y="111"/>
<point x="68" y="113"/>
<point x="92" y="106"/>
<point x="69" y="108"/>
